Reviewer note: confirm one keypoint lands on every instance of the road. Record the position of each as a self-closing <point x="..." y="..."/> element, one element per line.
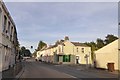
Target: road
<point x="39" y="70"/>
<point x="35" y="69"/>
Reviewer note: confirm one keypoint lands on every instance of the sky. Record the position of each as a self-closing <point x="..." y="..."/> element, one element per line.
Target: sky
<point x="61" y="0"/>
<point x="51" y="21"/>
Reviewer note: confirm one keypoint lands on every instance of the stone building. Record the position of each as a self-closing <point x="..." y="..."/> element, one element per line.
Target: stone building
<point x="8" y="39"/>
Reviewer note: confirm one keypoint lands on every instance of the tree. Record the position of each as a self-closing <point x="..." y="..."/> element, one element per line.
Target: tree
<point x="25" y="52"/>
<point x="110" y="38"/>
<point x="35" y="53"/>
<point x="100" y="43"/>
<point x="93" y="48"/>
<point x="23" y="48"/>
<point x="66" y="38"/>
<point x="41" y="45"/>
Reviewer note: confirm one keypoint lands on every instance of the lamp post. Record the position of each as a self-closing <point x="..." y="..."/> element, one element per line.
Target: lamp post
<point x="86" y="57"/>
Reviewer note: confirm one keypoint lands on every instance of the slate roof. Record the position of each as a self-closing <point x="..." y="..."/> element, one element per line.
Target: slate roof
<point x="52" y="46"/>
<point x="79" y="44"/>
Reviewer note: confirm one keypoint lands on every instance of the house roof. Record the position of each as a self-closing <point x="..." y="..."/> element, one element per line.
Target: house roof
<point x="43" y="48"/>
<point x="62" y="40"/>
<point x="79" y="44"/>
<point x="109" y="47"/>
<point x="52" y="46"/>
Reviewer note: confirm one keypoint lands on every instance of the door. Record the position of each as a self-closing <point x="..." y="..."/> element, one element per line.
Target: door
<point x="77" y="59"/>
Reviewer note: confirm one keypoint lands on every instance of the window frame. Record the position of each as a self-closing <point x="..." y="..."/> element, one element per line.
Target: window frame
<point x="9" y="25"/>
<point x="83" y="50"/>
<point x="77" y="49"/>
<point x="5" y="23"/>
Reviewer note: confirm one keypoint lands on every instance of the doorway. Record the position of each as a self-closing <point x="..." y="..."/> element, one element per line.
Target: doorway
<point x="77" y="59"/>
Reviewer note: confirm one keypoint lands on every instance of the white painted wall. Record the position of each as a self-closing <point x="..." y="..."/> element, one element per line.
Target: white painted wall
<point x="0" y="38"/>
<point x="7" y="55"/>
<point x="69" y="48"/>
<point x="107" y="54"/>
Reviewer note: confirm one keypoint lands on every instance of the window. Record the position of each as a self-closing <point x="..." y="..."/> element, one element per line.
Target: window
<point x="5" y="54"/>
<point x="59" y="49"/>
<point x="11" y="33"/>
<point x="11" y="30"/>
<point x="77" y="49"/>
<point x="0" y="15"/>
<point x="8" y="27"/>
<point x="5" y="23"/>
<point x="66" y="58"/>
<point x="62" y="48"/>
<point x="82" y="50"/>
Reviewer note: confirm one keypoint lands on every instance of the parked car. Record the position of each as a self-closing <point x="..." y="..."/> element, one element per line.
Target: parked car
<point x="24" y="58"/>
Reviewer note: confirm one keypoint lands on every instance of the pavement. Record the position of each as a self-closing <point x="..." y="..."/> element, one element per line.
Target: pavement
<point x="83" y="72"/>
<point x="12" y="72"/>
<point x="20" y="73"/>
<point x="0" y="75"/>
<point x="9" y="73"/>
<point x="92" y="69"/>
<point x="81" y="67"/>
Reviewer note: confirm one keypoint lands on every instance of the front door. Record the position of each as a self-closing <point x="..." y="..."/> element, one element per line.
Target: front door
<point x="77" y="59"/>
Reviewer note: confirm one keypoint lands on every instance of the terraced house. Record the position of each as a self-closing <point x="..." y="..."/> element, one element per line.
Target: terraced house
<point x="66" y="52"/>
<point x="8" y="39"/>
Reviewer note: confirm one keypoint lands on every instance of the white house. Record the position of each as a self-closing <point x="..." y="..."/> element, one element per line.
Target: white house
<point x="107" y="54"/>
<point x="67" y="52"/>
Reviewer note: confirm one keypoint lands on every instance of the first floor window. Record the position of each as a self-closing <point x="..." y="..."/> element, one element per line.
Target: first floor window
<point x="0" y="15"/>
<point x="5" y="23"/>
<point x="9" y="27"/>
<point x="82" y="50"/>
<point x="77" y="49"/>
<point x="59" y="49"/>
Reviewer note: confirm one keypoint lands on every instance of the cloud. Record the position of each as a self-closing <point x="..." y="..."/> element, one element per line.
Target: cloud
<point x="49" y="22"/>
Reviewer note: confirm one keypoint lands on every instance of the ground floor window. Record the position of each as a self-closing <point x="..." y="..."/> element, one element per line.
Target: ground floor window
<point x="66" y="58"/>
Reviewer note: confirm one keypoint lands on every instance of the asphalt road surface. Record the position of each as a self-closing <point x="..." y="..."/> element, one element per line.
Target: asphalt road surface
<point x="33" y="69"/>
<point x="38" y="70"/>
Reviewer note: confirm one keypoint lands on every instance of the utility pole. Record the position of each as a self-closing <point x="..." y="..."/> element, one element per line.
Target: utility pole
<point x="87" y="64"/>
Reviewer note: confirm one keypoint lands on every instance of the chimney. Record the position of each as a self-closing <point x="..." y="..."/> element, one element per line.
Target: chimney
<point x="66" y="38"/>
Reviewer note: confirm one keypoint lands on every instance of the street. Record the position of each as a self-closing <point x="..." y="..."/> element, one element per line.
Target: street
<point x="33" y="69"/>
<point x="39" y="70"/>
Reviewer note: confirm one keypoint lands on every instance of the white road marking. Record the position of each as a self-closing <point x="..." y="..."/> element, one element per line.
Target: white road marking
<point x="69" y="75"/>
<point x="80" y="69"/>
